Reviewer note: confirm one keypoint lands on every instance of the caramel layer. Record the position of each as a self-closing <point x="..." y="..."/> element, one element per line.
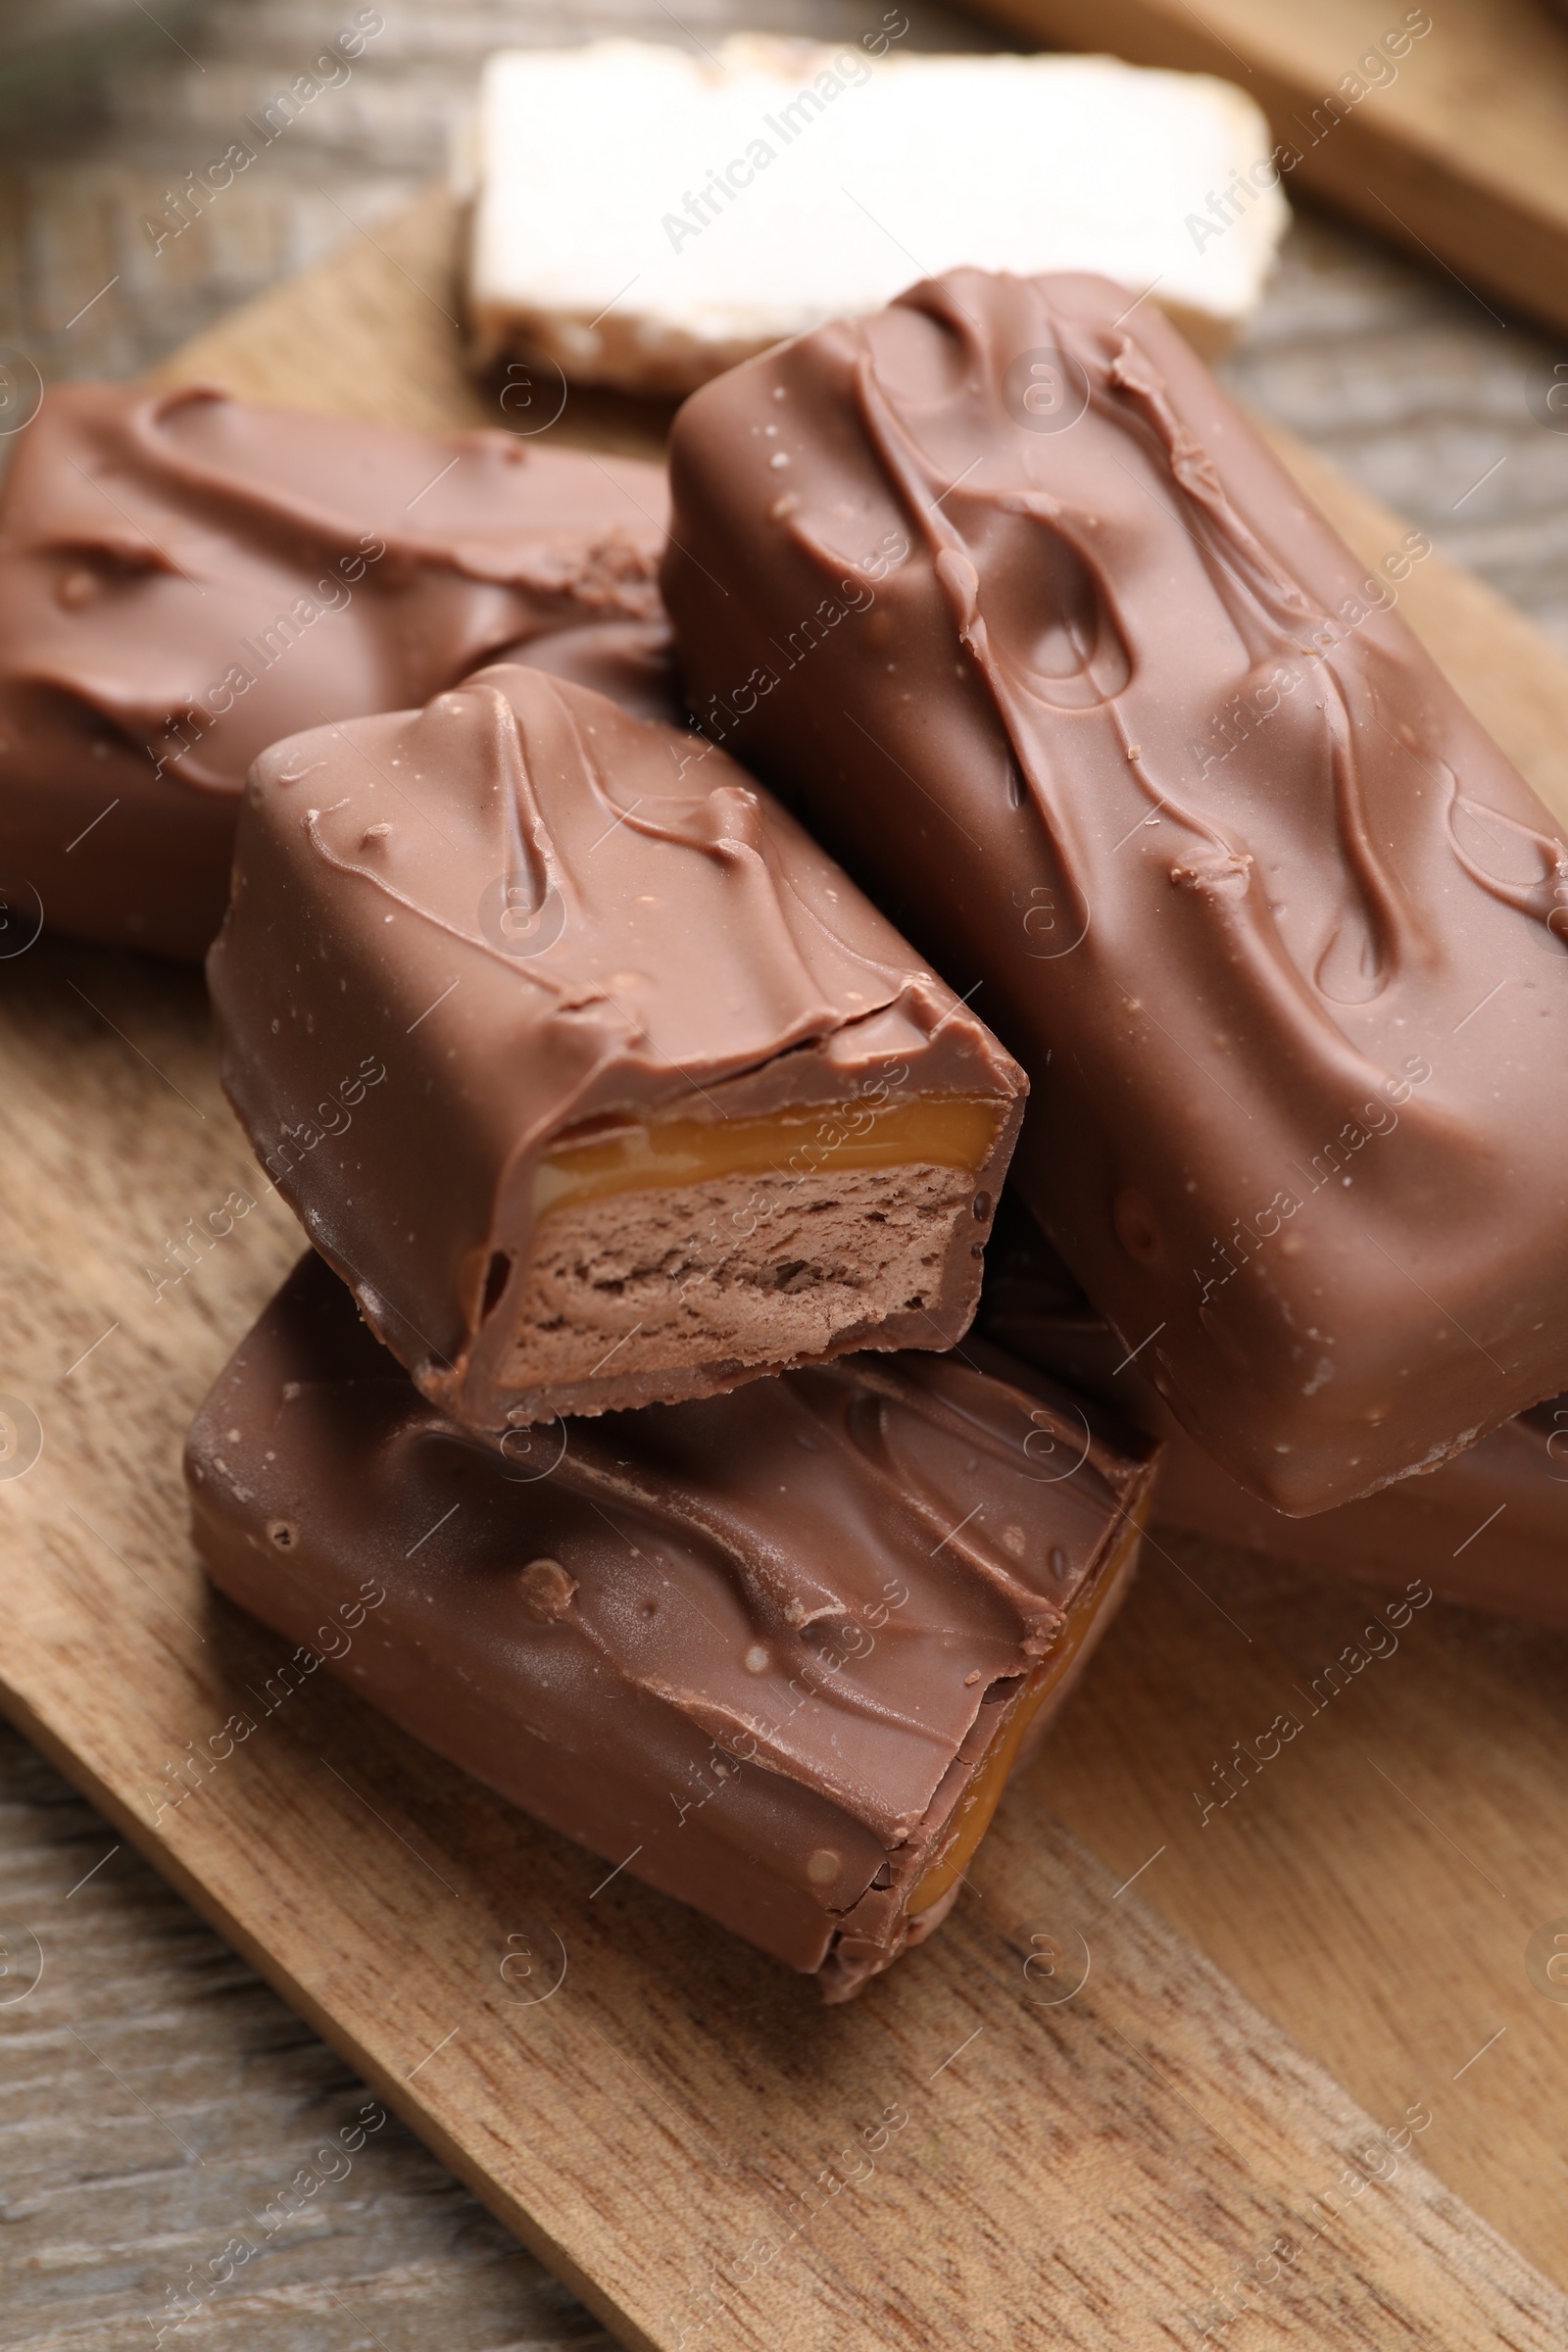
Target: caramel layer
<point x="972" y="1814"/>
<point x="949" y="1131"/>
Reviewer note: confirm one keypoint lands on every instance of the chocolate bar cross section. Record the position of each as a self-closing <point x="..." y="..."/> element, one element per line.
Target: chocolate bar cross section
<point x="774" y="1653"/>
<point x="998" y="589"/>
<point x="594" y="1077"/>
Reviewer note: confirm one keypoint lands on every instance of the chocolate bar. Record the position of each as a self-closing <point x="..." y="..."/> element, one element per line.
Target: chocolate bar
<point x="659" y="275"/>
<point x="1002" y="593"/>
<point x="773" y="1654"/>
<point x="1487" y="1529"/>
<point x="185" y="578"/>
<point x="660" y="1100"/>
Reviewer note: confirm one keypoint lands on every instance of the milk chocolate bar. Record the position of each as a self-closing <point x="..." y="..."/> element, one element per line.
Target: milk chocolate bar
<point x="773" y="1654"/>
<point x="664" y="1102"/>
<point x="1487" y="1529"/>
<point x="185" y="578"/>
<point x="1000" y="589"/>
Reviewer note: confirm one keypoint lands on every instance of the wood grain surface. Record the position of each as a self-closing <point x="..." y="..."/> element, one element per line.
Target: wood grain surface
<point x="156" y="2097"/>
<point x="1452" y="141"/>
<point x="963" y="2157"/>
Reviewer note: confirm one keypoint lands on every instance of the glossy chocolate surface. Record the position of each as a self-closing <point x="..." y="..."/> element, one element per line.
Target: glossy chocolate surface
<point x="765" y="1639"/>
<point x="468" y="939"/>
<point x="1002" y="593"/>
<point x="633" y="661"/>
<point x="1487" y="1529"/>
<point x="185" y="577"/>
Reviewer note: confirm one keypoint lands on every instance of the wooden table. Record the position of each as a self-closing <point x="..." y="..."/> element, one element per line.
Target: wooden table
<point x="1373" y="1899"/>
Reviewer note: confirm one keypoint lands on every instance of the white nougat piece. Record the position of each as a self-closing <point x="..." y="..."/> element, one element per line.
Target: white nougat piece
<point x="646" y="218"/>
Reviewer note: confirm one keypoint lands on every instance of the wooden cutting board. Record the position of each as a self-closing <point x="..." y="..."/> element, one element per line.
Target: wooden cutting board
<point x="1314" y="2093"/>
<point x="1452" y="142"/>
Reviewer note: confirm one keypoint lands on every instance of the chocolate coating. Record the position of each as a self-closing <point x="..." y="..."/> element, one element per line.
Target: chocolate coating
<point x="633" y="661"/>
<point x="764" y="1640"/>
<point x="185" y="578"/>
<point x="465" y="938"/>
<point x="1487" y="1529"/>
<point x="1115" y="724"/>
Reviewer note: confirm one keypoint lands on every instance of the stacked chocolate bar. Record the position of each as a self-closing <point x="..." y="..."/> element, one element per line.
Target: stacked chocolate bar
<point x="675" y="1157"/>
<point x="649" y="1169"/>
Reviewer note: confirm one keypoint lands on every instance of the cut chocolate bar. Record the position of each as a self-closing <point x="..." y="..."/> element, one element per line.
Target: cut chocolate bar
<point x="1487" y="1529"/>
<point x="1000" y="589"/>
<point x="660" y="1100"/>
<point x="774" y="1652"/>
<point x="185" y="578"/>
